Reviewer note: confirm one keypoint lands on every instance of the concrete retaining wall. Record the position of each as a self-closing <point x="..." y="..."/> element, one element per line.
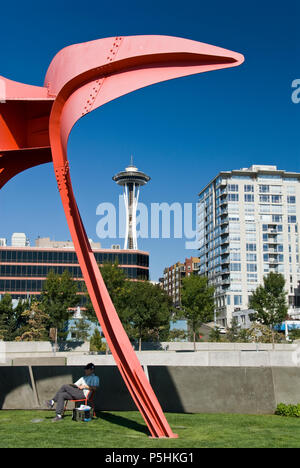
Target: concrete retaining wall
<point x="22" y="349"/>
<point x="189" y="389"/>
<point x="219" y="377"/>
<point x="214" y="358"/>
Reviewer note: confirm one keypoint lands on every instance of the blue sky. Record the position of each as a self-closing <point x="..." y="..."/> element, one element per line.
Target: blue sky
<point x="181" y="132"/>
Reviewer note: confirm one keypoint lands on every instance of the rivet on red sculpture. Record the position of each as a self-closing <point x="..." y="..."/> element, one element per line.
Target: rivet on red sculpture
<point x="35" y="123"/>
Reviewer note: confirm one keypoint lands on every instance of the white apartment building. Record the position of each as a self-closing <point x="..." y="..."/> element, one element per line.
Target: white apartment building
<point x="248" y="226"/>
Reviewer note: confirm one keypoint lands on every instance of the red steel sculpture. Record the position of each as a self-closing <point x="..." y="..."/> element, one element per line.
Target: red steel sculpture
<point x="35" y="123"/>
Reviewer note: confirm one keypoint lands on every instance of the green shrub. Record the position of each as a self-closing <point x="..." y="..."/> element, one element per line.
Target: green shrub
<point x="288" y="410"/>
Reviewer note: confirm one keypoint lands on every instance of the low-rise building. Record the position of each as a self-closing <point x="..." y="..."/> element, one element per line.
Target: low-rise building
<point x="173" y="275"/>
<point x="24" y="269"/>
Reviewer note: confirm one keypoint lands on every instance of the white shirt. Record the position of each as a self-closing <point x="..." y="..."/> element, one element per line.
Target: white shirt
<point x="90" y="381"/>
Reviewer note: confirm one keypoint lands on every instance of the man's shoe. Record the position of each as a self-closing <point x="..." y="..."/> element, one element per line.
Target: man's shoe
<point x="57" y="418"/>
<point x="49" y="404"/>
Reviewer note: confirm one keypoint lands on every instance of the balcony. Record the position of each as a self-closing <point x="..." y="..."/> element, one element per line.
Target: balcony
<point x="225" y="261"/>
<point x="224" y="221"/>
<point x="272" y="240"/>
<point x="224" y="240"/>
<point x="224" y="211"/>
<point x="223" y="202"/>
<point x="225" y="281"/>
<point x="225" y="271"/>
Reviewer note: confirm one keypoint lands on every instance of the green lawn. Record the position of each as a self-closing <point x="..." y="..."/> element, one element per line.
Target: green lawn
<point x="128" y="430"/>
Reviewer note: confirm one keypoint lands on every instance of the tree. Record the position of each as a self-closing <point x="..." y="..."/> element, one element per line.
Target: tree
<point x="177" y="335"/>
<point x="147" y="313"/>
<point x="233" y="332"/>
<point x="59" y="295"/>
<point x="197" y="299"/>
<point x="38" y="321"/>
<point x="96" y="342"/>
<point x="12" y="320"/>
<point x="215" y="335"/>
<point x="80" y="330"/>
<point x="259" y="333"/>
<point x="19" y="320"/>
<point x="6" y="313"/>
<point x="269" y="302"/>
<point x="116" y="283"/>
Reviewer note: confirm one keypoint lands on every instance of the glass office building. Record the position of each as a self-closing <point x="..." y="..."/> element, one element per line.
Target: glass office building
<point x="23" y="270"/>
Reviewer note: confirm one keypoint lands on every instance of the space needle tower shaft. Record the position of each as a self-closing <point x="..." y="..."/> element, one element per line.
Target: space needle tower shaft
<point x="131" y="180"/>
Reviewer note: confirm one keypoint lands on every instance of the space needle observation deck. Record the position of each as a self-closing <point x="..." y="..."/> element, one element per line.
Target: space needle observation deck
<point x="131" y="179"/>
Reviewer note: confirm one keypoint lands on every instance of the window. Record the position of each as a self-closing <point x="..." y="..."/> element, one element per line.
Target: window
<point x="234" y="227"/>
<point x="276" y="198"/>
<point x="277" y="208"/>
<point x="235" y="256"/>
<point x="248" y="188"/>
<point x="233" y="197"/>
<point x="291" y="199"/>
<point x="265" y="208"/>
<point x="251" y="236"/>
<point x="235" y="267"/>
<point x="252" y="277"/>
<point x="250" y="227"/>
<point x="233" y="207"/>
<point x="292" y="219"/>
<point x="249" y="197"/>
<point x="251" y="257"/>
<point x="264" y="199"/>
<point x="264" y="188"/>
<point x="269" y="176"/>
<point x="235" y="287"/>
<point x="251" y="267"/>
<point x="237" y="300"/>
<point x="276" y="189"/>
<point x="233" y="188"/>
<point x="251" y="247"/>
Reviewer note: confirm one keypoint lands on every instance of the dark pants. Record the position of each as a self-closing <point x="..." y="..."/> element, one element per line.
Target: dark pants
<point x="66" y="392"/>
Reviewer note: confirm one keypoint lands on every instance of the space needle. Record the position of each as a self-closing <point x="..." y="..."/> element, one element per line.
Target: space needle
<point x="131" y="179"/>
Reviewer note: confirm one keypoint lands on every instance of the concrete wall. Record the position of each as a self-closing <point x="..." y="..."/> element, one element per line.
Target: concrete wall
<point x="15" y="349"/>
<point x="189" y="389"/>
<point x="214" y="357"/>
<point x="219" y="377"/>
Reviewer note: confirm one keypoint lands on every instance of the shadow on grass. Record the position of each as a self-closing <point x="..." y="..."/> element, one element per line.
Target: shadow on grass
<point x="121" y="421"/>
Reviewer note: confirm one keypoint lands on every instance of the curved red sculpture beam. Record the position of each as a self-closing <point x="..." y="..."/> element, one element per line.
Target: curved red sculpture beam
<point x="81" y="78"/>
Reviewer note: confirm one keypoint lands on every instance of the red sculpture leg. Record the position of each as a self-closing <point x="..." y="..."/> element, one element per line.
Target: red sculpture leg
<point x="80" y="79"/>
<point x="118" y="342"/>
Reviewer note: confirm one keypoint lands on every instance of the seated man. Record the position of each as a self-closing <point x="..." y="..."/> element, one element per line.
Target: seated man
<point x="77" y="391"/>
